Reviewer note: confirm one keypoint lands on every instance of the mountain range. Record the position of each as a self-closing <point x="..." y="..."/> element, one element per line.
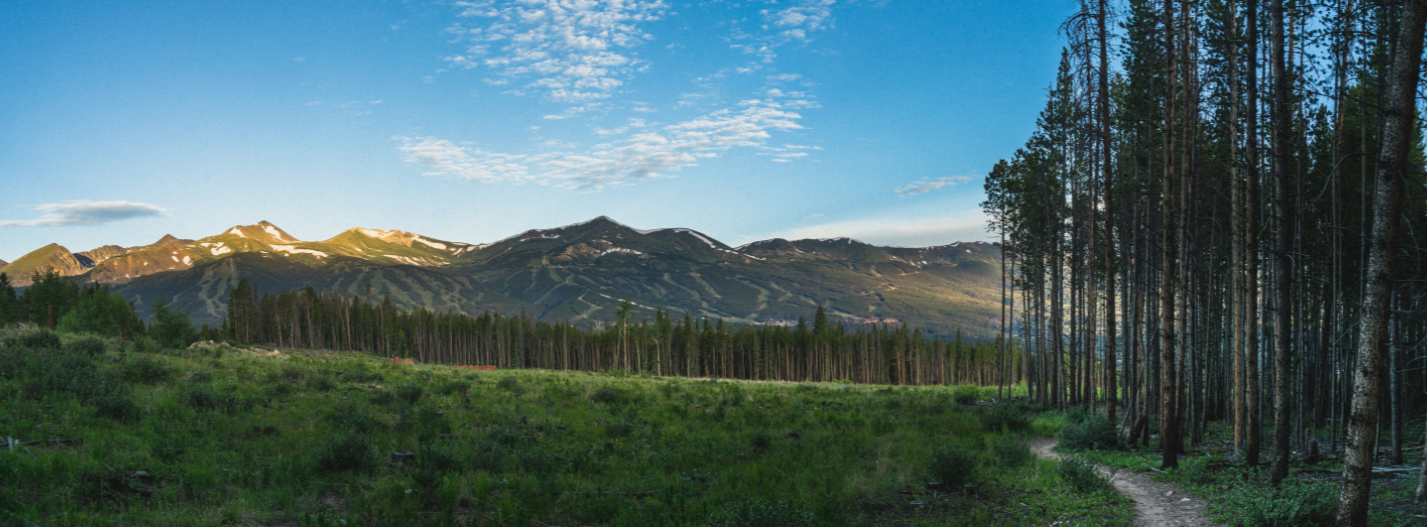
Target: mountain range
<point x="576" y="273"/>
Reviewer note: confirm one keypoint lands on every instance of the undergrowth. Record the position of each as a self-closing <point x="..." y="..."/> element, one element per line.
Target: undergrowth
<point x="217" y="435"/>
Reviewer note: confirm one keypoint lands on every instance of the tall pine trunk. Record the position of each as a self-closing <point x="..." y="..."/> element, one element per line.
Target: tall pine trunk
<point x="1392" y="164"/>
<point x="1283" y="268"/>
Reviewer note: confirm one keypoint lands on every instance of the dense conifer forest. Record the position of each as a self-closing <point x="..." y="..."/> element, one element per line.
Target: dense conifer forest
<point x="1220" y="217"/>
<point x="666" y="345"/>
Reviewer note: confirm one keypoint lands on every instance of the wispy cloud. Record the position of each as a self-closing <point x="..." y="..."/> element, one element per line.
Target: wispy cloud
<point x="796" y="22"/>
<point x="922" y="232"/>
<point x="84" y="212"/>
<point x="569" y="50"/>
<point x="928" y="185"/>
<point x="782" y="26"/>
<point x="646" y="153"/>
<point x="444" y="157"/>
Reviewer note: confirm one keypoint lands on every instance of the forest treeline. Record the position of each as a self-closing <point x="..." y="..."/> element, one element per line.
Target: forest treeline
<point x="664" y="345"/>
<point x="59" y="303"/>
<point x="1221" y="216"/>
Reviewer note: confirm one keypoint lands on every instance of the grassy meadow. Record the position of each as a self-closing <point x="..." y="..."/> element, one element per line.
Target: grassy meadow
<point x="104" y="432"/>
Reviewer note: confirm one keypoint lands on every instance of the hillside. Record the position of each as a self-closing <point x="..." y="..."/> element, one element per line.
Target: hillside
<point x="577" y="272"/>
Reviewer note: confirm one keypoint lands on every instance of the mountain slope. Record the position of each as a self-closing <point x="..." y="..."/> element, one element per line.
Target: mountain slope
<point x="578" y="272"/>
<point x="53" y="256"/>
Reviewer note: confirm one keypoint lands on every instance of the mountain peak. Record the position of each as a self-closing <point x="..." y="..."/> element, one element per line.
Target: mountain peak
<point x="262" y="230"/>
<point x="378" y="233"/>
<point x="53" y="256"/>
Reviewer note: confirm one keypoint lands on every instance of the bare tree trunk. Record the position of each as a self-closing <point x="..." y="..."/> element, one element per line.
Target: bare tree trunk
<point x="1111" y="388"/>
<point x="1236" y="290"/>
<point x="1283" y="269"/>
<point x="1169" y="389"/>
<point x="1387" y="216"/>
<point x="1251" y="242"/>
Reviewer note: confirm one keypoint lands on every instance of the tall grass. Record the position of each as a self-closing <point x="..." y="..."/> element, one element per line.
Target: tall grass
<point x="179" y="437"/>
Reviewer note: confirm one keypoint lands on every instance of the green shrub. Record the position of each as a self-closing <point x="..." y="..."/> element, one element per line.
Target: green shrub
<point x="761" y="513"/>
<point x="1048" y="425"/>
<point x="1081" y="475"/>
<point x="952" y="465"/>
<point x="427" y="416"/>
<point x="201" y="397"/>
<point x="142" y="344"/>
<point x="967" y="394"/>
<point x="456" y="388"/>
<point x="118" y="405"/>
<point x="1196" y="471"/>
<point x="508" y="383"/>
<point x="87" y="346"/>
<point x="347" y="452"/>
<point x="383" y="397"/>
<point x="1005" y="418"/>
<point x="669" y="389"/>
<point x="354" y="418"/>
<point x="408" y="392"/>
<point x="63" y="372"/>
<point x="761" y="439"/>
<point x="277" y="389"/>
<point x="534" y="461"/>
<point x="505" y="436"/>
<point x="439" y="455"/>
<point x="1010" y="452"/>
<point x="1094" y="432"/>
<point x="1291" y="504"/>
<point x="607" y="395"/>
<point x="618" y="429"/>
<point x="294" y="372"/>
<point x="42" y="339"/>
<point x="200" y="377"/>
<point x="357" y="374"/>
<point x="145" y="369"/>
<point x="321" y="383"/>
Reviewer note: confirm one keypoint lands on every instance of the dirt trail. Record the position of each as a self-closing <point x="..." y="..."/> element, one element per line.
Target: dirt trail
<point x="1156" y="504"/>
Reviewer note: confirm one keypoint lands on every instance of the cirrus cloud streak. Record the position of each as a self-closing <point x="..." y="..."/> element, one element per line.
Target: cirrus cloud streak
<point x="648" y="152"/>
<point x="927" y="185"/>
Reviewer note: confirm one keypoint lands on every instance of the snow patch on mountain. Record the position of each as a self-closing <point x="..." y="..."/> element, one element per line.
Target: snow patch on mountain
<point x="697" y="235"/>
<point x="409" y="260"/>
<point x="619" y="250"/>
<point x="374" y="233"/>
<point x="434" y="245"/>
<point x="291" y="250"/>
<point x="236" y="232"/>
<point x="274" y="232"/>
<point x="216" y="248"/>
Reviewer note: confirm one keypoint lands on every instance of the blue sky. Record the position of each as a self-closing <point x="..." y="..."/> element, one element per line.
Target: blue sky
<point x="472" y="121"/>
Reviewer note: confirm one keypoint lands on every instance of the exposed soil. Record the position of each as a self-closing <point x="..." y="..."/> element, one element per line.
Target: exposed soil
<point x="1156" y="503"/>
